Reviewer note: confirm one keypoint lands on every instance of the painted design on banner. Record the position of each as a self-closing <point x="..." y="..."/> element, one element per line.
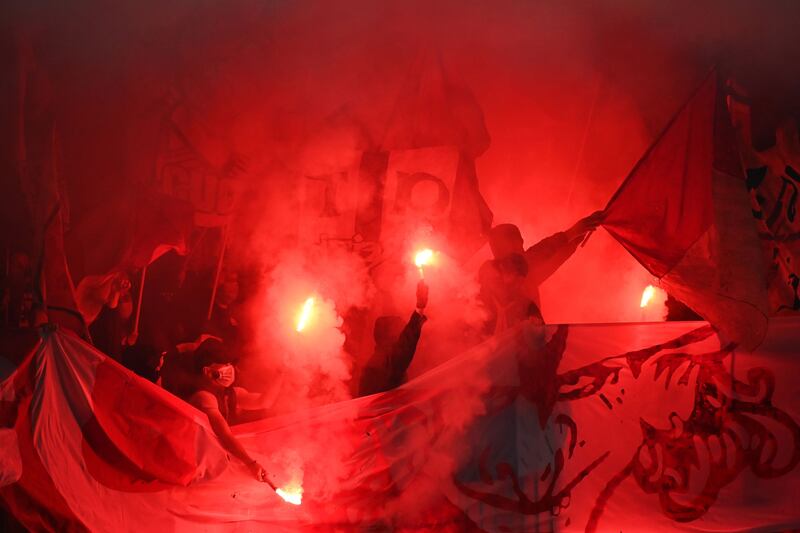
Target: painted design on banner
<point x="732" y="426"/>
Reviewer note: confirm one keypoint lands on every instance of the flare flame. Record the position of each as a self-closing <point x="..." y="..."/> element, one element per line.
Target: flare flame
<point x="647" y="295"/>
<point x="292" y="494"/>
<point x="422" y="258"/>
<point x="305" y="314"/>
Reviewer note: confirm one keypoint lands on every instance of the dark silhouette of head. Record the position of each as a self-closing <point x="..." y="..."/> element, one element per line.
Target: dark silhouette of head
<point x="228" y="290"/>
<point x="504" y="240"/>
<point x="387" y="330"/>
<point x="143" y="360"/>
<point x="211" y="352"/>
<point x="678" y="311"/>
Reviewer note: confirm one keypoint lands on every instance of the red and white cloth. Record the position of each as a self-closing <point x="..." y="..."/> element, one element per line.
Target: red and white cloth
<point x="626" y="427"/>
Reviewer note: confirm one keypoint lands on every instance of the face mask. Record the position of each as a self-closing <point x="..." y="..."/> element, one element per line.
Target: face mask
<point x="224" y="375"/>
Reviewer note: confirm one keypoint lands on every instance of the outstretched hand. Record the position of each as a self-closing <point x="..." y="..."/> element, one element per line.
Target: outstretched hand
<point x="258" y="471"/>
<point x="422" y="294"/>
<point x="585" y="225"/>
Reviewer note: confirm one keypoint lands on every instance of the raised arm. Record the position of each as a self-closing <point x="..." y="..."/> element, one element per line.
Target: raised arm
<point x="403" y="351"/>
<point x="547" y="255"/>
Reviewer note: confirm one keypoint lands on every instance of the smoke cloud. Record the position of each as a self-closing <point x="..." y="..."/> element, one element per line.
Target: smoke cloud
<point x="572" y="94"/>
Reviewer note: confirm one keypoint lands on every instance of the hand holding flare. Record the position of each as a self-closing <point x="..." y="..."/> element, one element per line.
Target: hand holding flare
<point x="293" y="495"/>
<point x="422" y="295"/>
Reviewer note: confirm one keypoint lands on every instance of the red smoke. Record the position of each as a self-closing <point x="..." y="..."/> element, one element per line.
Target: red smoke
<point x="571" y="96"/>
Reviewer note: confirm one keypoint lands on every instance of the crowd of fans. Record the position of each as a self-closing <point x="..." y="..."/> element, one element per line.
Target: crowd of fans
<point x="192" y="351"/>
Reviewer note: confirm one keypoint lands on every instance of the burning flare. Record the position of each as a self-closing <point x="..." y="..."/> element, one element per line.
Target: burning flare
<point x="422" y="258"/>
<point x="647" y="295"/>
<point x="305" y="315"/>
<point x="291" y="494"/>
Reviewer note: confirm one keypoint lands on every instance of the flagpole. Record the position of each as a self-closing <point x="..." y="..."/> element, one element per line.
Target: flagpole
<point x="589" y="120"/>
<point x="660" y="136"/>
<point x="219" y="270"/>
<point x="135" y="332"/>
<point x="6" y="301"/>
<point x="22" y="47"/>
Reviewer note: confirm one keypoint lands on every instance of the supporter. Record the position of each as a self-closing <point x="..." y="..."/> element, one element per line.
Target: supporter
<point x="111" y="327"/>
<point x="160" y="315"/>
<point x="542" y="259"/>
<point x="504" y="284"/>
<point x="678" y="311"/>
<point x="395" y="346"/>
<point x="17" y="291"/>
<point x="215" y="394"/>
<point x="177" y="374"/>
<point x="222" y="323"/>
<point x="143" y="360"/>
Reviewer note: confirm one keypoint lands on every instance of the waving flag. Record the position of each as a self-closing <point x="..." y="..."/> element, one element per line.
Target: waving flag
<point x="683" y="212"/>
<point x="41" y="182"/>
<point x="773" y="179"/>
<point x="122" y="237"/>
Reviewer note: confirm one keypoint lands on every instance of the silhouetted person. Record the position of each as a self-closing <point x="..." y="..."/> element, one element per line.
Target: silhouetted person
<point x="17" y="291"/>
<point x="178" y="374"/>
<point x="111" y="327"/>
<point x="395" y="345"/>
<point x="541" y="259"/>
<point x="160" y="314"/>
<point x="223" y="324"/>
<point x="143" y="360"/>
<point x="511" y="305"/>
<point x="678" y="311"/>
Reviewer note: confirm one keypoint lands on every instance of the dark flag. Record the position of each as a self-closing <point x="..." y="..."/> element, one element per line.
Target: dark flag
<point x="41" y="182"/>
<point x="436" y="132"/>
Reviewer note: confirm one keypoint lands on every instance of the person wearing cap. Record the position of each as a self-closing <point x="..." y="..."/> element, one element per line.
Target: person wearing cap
<point x="540" y="261"/>
<point x="214" y="393"/>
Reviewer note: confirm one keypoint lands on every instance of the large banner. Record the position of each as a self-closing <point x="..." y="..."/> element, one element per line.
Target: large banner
<point x="773" y="180"/>
<point x="626" y="427"/>
<point x="329" y="206"/>
<point x="683" y="213"/>
<point x="419" y="190"/>
<point x="183" y="173"/>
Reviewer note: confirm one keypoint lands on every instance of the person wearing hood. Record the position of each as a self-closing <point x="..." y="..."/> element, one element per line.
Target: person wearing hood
<point x="395" y="346"/>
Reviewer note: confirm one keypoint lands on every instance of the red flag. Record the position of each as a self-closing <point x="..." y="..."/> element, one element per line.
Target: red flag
<point x="683" y="212"/>
<point x="41" y="181"/>
<point x="128" y="233"/>
<point x="124" y="236"/>
<point x="435" y="110"/>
